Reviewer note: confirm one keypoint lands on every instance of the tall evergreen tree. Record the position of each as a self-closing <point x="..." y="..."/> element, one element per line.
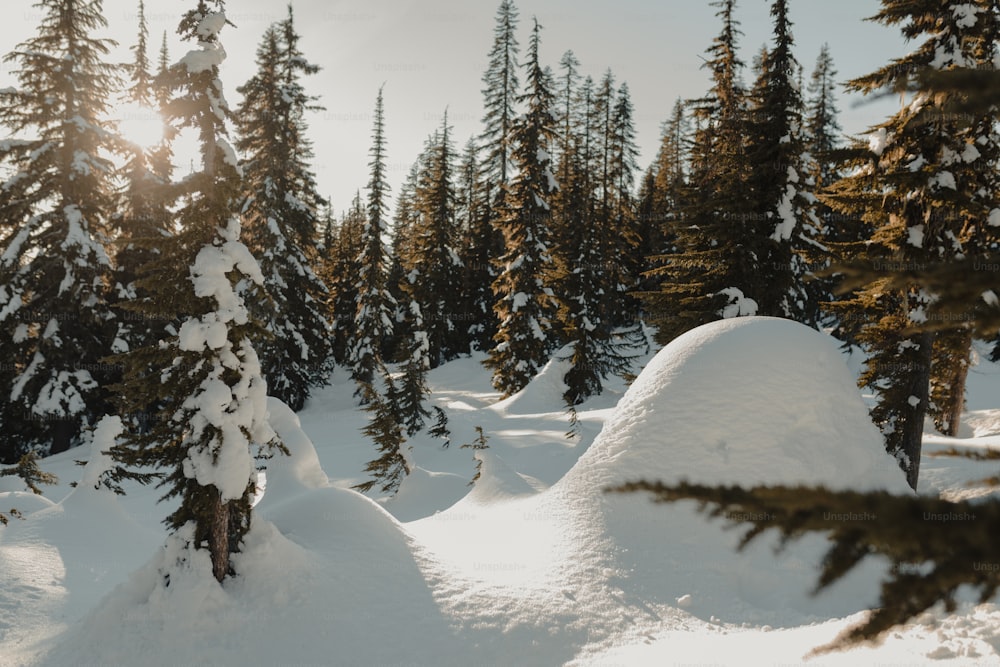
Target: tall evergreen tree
<point x="433" y="269"/>
<point x="207" y="378"/>
<point x="376" y="307"/>
<point x="343" y="271"/>
<point x="478" y="247"/>
<point x="525" y="303"/>
<point x="280" y="211"/>
<point x="823" y="139"/>
<point x="500" y="97"/>
<point x="55" y="321"/>
<point x="781" y="211"/>
<point x="925" y="185"/>
<point x="712" y="273"/>
<point x="143" y="219"/>
<point x="666" y="193"/>
<point x="623" y="258"/>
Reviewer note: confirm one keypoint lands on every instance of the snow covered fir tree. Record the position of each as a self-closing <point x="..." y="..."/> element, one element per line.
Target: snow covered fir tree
<point x="208" y="386"/>
<point x="244" y="345"/>
<point x="280" y="216"/>
<point x="56" y="202"/>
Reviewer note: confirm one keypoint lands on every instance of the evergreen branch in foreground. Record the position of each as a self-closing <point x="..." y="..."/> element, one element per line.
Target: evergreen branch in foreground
<point x="934" y="546"/>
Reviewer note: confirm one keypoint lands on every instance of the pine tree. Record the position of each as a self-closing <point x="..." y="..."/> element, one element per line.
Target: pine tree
<point x="662" y="199"/>
<point x="412" y="390"/>
<point x="525" y="301"/>
<point x="925" y="186"/>
<point x="823" y="139"/>
<point x="715" y="267"/>
<point x="55" y="321"/>
<point x="280" y="209"/>
<point x="376" y="307"/>
<point x="478" y="246"/>
<point x="623" y="257"/>
<point x="344" y="271"/>
<point x="385" y="430"/>
<point x="590" y="214"/>
<point x="781" y="212"/>
<point x="433" y="269"/>
<point x="143" y="219"/>
<point x="206" y="378"/>
<point x="500" y="96"/>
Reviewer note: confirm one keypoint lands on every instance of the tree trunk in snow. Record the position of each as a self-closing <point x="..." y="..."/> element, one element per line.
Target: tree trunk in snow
<point x="950" y="372"/>
<point x="913" y="426"/>
<point x="218" y="539"/>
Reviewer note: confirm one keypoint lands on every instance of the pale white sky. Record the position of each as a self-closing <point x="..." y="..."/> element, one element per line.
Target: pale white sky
<point x="431" y="54"/>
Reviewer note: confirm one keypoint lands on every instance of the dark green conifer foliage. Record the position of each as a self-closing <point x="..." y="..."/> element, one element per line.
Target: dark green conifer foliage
<point x="623" y="255"/>
<point x="930" y="558"/>
<point x="525" y="305"/>
<point x="384" y="428"/>
<point x="499" y="98"/>
<point x="440" y="427"/>
<point x="780" y="218"/>
<point x="926" y="187"/>
<point x="712" y="272"/>
<point x="280" y="210"/>
<point x="343" y="273"/>
<point x="480" y="243"/>
<point x="28" y="471"/>
<point x="206" y="379"/>
<point x="661" y="197"/>
<point x="55" y="202"/>
<point x="376" y="307"/>
<point x="823" y="139"/>
<point x="143" y="218"/>
<point x="585" y="265"/>
<point x="432" y="267"/>
<point x="412" y="390"/>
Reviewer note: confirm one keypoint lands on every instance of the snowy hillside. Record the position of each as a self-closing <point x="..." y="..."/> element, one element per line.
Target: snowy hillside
<point x="532" y="565"/>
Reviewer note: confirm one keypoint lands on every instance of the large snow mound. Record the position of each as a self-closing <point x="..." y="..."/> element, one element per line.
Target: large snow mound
<point x="746" y="401"/>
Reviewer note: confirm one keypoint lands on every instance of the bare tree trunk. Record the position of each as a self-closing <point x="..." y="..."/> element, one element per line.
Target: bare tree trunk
<point x="913" y="425"/>
<point x="952" y="357"/>
<point x="218" y="537"/>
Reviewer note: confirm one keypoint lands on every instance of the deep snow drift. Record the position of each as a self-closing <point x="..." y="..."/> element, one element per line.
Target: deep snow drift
<point x="533" y="565"/>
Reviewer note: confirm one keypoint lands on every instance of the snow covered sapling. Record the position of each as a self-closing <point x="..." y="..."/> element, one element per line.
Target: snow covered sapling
<point x="478" y="444"/>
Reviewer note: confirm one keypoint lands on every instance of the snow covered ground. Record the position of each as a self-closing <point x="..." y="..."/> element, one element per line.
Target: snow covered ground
<point x="534" y="564"/>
